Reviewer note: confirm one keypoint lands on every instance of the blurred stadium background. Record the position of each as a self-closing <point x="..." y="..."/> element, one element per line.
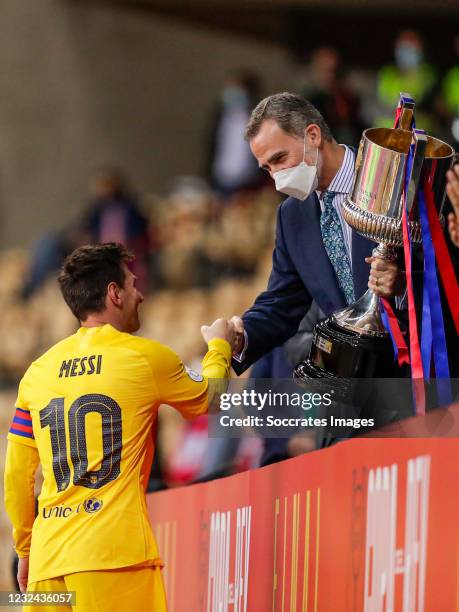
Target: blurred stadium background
<point x="135" y="102"/>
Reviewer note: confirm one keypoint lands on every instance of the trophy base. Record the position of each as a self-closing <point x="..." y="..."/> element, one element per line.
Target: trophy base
<point x="338" y="352"/>
<point x="357" y="370"/>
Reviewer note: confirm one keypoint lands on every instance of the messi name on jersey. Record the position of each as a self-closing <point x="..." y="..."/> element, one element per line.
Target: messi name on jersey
<point x="81" y="365"/>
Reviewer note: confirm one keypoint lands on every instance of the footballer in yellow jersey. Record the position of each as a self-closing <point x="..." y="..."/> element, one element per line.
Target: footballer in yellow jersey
<point x="85" y="411"/>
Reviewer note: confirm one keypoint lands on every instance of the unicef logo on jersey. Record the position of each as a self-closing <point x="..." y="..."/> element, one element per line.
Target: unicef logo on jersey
<point x="92" y="505"/>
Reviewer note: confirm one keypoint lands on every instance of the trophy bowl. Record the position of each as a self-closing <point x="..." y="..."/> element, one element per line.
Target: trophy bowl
<point x="353" y="342"/>
<point x="374" y="208"/>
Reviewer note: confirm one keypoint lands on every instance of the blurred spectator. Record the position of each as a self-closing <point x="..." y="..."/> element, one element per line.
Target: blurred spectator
<point x="328" y="90"/>
<point x="411" y="74"/>
<point x="47" y="255"/>
<point x="112" y="216"/>
<point x="188" y="459"/>
<point x="251" y="218"/>
<point x="196" y="245"/>
<point x="182" y="259"/>
<point x="231" y="166"/>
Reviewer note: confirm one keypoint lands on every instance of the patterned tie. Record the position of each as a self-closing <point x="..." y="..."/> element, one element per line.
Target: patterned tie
<point x="333" y="239"/>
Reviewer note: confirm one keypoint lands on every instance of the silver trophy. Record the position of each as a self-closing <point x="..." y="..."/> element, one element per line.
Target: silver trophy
<point x="353" y="342"/>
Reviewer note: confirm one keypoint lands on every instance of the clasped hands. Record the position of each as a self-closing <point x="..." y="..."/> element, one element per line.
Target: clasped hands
<point x="385" y="280"/>
<point x="231" y="330"/>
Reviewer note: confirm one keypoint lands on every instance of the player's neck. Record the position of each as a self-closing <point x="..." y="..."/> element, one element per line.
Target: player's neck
<point x="99" y="319"/>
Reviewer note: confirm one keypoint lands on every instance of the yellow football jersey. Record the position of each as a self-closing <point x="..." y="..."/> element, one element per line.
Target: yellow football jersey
<point x="89" y="406"/>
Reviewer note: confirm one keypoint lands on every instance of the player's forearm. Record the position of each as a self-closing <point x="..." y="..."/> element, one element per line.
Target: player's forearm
<point x="216" y="367"/>
<point x="217" y="361"/>
<point x="19" y="481"/>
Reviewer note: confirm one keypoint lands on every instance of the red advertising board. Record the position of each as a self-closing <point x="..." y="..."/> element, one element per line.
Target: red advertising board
<point x="366" y="525"/>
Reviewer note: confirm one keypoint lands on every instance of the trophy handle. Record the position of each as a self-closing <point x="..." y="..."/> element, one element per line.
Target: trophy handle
<point x="420" y="144"/>
<point x="406" y="104"/>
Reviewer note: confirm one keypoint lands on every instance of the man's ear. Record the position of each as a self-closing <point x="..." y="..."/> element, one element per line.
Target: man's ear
<point x="114" y="294"/>
<point x="313" y="135"/>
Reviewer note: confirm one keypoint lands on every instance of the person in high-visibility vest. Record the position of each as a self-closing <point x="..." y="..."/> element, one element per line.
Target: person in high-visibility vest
<point x="410" y="73"/>
<point x="449" y="98"/>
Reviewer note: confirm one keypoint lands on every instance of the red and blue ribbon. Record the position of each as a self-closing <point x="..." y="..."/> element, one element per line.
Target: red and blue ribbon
<point x="417" y="370"/>
<point x="433" y="327"/>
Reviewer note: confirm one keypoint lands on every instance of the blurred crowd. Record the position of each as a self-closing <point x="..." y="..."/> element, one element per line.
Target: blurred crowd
<point x="186" y="239"/>
<point x="351" y="103"/>
<point x="203" y="249"/>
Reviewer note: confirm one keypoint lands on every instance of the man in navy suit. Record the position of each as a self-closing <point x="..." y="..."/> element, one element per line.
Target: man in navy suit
<point x="317" y="256"/>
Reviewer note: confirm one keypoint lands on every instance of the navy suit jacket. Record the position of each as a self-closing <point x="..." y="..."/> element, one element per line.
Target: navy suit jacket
<point x="301" y="272"/>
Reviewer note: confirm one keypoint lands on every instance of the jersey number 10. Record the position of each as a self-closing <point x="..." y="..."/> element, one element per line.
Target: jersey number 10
<point x="53" y="416"/>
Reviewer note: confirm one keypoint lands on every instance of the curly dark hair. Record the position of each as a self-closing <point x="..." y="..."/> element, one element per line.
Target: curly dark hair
<point x="86" y="274"/>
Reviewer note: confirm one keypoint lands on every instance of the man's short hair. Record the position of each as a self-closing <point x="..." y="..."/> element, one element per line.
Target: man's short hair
<point x="86" y="274"/>
<point x="291" y="112"/>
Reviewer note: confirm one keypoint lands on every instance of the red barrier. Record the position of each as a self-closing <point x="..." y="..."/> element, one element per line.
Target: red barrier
<point x="367" y="524"/>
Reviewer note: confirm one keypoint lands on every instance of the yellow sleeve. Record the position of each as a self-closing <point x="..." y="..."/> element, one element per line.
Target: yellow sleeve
<point x="19" y="479"/>
<point x="216" y="367"/>
<point x="184" y="389"/>
<point x="217" y="360"/>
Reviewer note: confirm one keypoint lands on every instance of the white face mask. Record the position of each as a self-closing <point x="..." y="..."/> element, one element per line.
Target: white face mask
<point x="299" y="181"/>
